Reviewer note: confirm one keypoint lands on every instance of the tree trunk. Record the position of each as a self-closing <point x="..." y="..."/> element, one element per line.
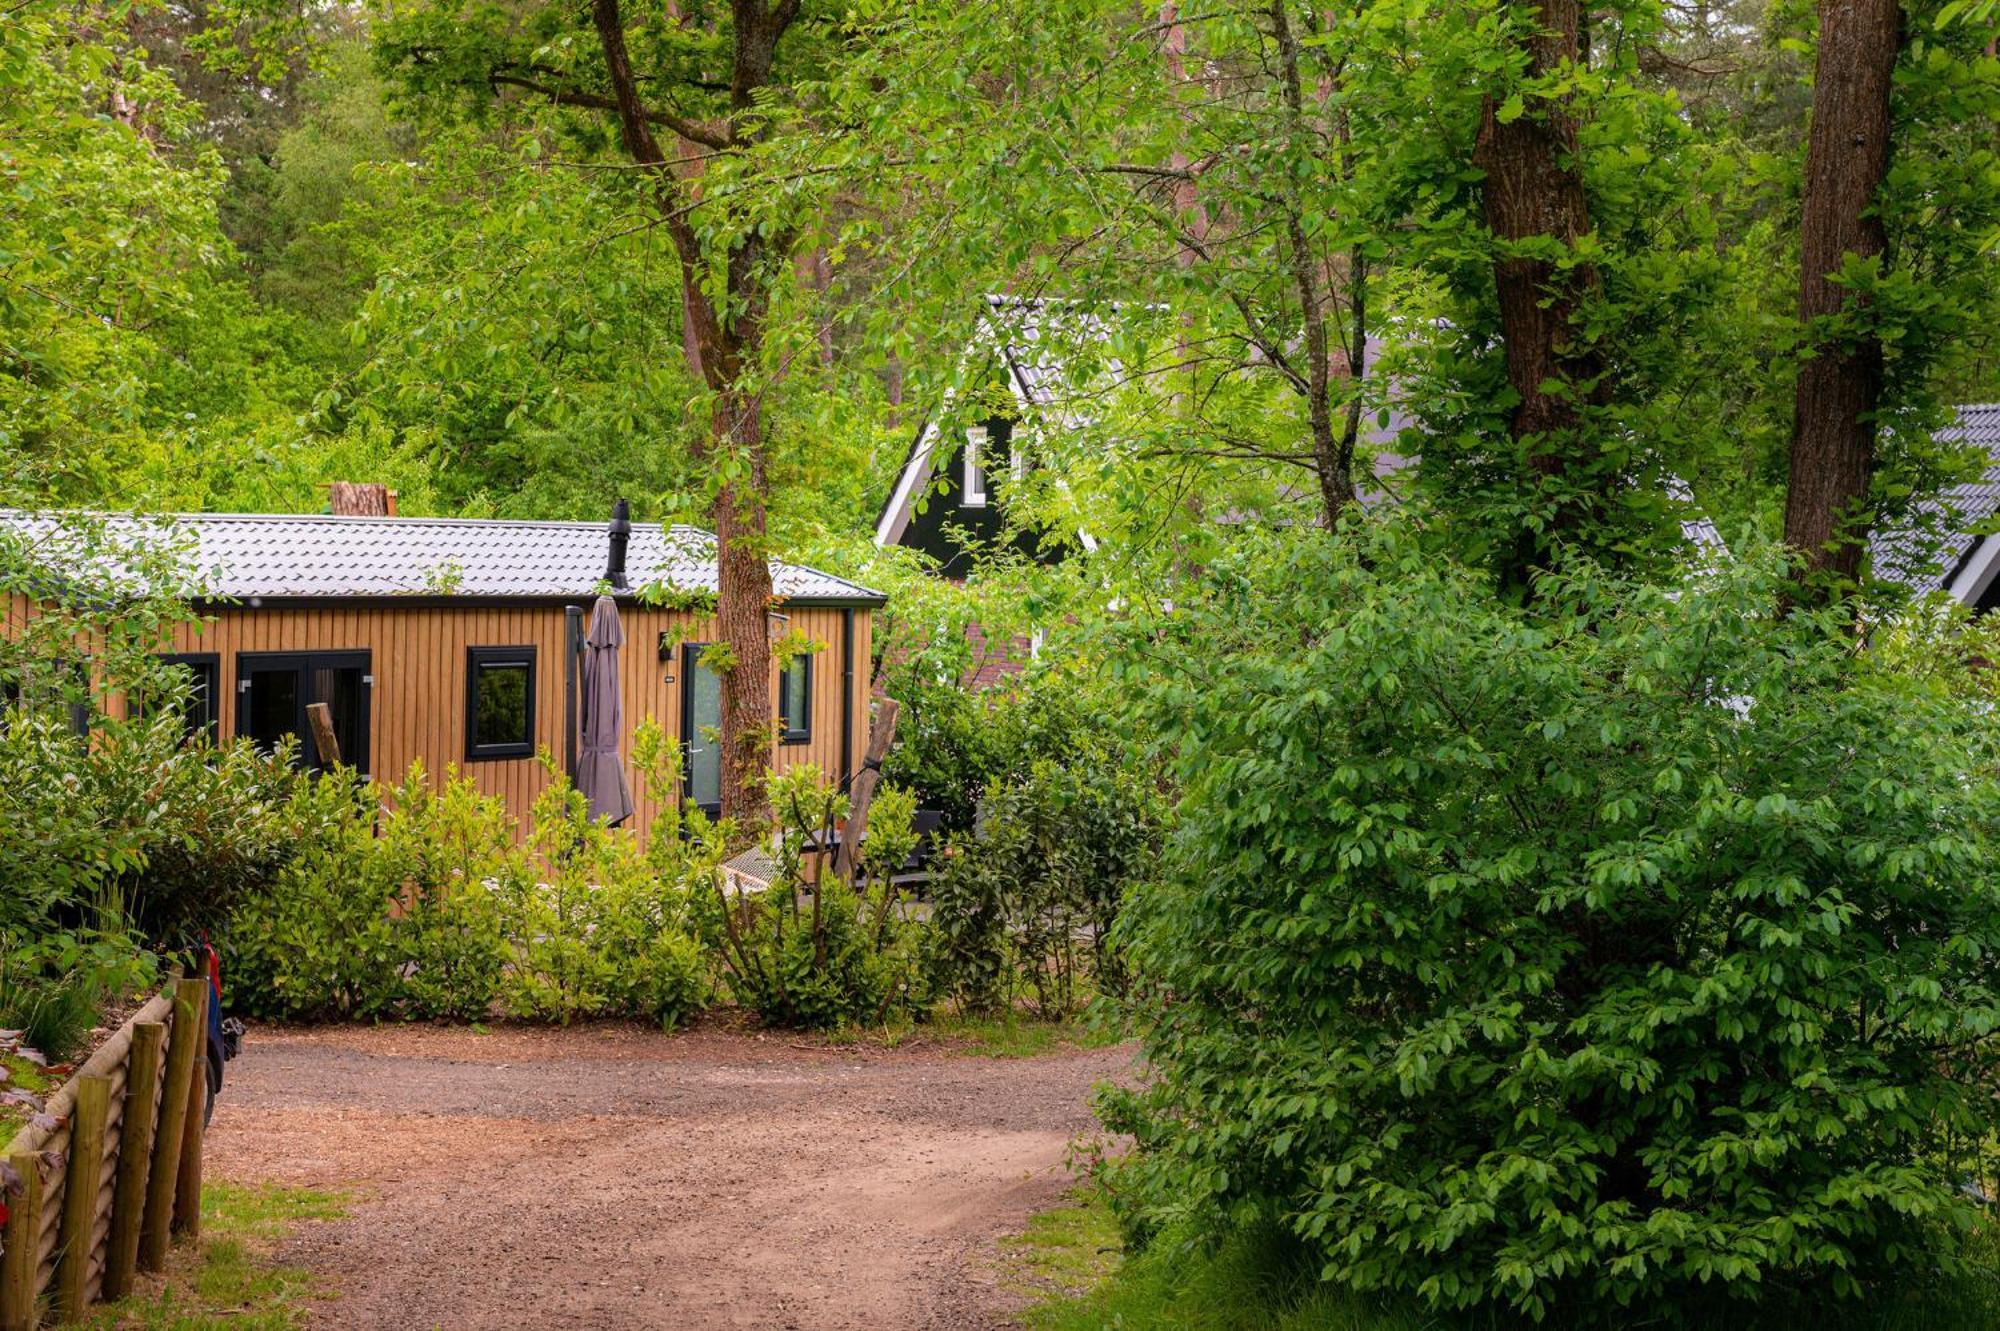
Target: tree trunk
<point x="742" y="614"/>
<point x="1333" y="465"/>
<point x="1534" y="188"/>
<point x="721" y="345"/>
<point x="1840" y="383"/>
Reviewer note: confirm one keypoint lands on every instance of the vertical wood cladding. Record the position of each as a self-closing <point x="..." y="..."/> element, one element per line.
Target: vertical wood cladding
<point x="417" y="657"/>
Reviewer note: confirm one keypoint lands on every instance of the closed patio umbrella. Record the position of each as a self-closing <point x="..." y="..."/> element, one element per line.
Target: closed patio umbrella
<point x="600" y="773"/>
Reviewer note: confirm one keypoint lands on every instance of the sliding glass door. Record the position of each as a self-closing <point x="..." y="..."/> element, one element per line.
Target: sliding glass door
<point x="273" y="690"/>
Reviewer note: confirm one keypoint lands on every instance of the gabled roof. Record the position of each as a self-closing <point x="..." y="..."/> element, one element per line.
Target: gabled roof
<point x="1025" y="336"/>
<point x="1938" y="549"/>
<point x="1029" y="337"/>
<point x="244" y="556"/>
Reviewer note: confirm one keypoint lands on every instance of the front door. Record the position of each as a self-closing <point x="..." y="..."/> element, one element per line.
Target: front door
<point x="701" y="729"/>
<point x="273" y="690"/>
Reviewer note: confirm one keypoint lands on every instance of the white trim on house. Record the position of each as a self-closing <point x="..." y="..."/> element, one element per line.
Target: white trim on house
<point x="1981" y="566"/>
<point x="917" y="471"/>
<point x="972" y="459"/>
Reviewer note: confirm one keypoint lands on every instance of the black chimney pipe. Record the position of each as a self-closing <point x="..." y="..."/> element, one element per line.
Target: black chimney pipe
<point x="621" y="536"/>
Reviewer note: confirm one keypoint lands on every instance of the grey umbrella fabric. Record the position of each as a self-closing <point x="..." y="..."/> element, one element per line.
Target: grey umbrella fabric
<point x="600" y="773"/>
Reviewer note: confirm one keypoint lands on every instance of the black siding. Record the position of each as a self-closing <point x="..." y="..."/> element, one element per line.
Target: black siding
<point x="941" y="505"/>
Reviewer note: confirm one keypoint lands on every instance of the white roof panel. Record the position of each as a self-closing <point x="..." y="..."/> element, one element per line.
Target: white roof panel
<point x="240" y="556"/>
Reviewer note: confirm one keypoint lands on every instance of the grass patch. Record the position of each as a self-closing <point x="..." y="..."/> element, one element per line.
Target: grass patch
<point x="230" y="1281"/>
<point x="1063" y="1254"/>
<point x="1069" y="1266"/>
<point x="1012" y="1035"/>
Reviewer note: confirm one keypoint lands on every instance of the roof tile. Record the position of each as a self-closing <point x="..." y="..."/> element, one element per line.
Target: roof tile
<point x="240" y="556"/>
<point x="1926" y="552"/>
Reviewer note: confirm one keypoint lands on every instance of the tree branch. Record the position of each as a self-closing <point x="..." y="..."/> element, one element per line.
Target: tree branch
<point x="687" y="129"/>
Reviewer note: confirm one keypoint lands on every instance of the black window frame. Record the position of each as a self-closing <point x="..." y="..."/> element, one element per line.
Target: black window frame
<point x="304" y="664"/>
<point x="478" y="659"/>
<point x="197" y="664"/>
<point x="799" y="730"/>
<point x="76" y="711"/>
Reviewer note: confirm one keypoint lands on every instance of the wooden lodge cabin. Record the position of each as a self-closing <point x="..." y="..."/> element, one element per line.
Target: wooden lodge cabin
<point x="457" y="643"/>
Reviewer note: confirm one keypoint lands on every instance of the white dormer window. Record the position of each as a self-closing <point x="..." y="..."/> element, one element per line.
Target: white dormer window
<point x="975" y="467"/>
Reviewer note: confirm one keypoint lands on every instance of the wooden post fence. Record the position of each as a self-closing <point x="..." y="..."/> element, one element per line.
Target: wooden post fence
<point x="79" y="1212"/>
<point x="187" y="1187"/>
<point x="104" y="1171"/>
<point x="135" y="1156"/>
<point x="21" y="1256"/>
<point x="184" y="1043"/>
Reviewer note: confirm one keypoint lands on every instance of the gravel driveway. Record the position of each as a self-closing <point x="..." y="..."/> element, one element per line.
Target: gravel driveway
<point x="616" y="1177"/>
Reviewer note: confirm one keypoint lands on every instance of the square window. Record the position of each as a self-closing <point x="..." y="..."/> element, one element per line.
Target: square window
<point x="795" y="700"/>
<point x="499" y="703"/>
<point x="49" y="688"/>
<point x="275" y="689"/>
<point x="197" y="707"/>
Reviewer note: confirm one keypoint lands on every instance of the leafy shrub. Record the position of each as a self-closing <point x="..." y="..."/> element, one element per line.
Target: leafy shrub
<point x="119" y="832"/>
<point x="594" y="933"/>
<point x="112" y="817"/>
<point x="944" y="749"/>
<point x="53" y="988"/>
<point x="952" y="741"/>
<point x="1572" y="961"/>
<point x="1023" y="906"/>
<point x="315" y="941"/>
<point x="442" y="856"/>
<point x="820" y="954"/>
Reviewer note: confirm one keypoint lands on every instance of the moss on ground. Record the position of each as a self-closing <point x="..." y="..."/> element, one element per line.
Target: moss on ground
<point x="1016" y="1036"/>
<point x="22" y="1074"/>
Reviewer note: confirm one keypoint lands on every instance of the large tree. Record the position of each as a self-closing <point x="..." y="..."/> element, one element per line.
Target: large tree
<point x="688" y="92"/>
<point x="1533" y="200"/>
<point x="1840" y="383"/>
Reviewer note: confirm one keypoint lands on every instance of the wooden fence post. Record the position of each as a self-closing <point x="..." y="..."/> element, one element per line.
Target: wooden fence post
<point x="80" y="1183"/>
<point x="23" y="1242"/>
<point x="862" y="793"/>
<point x="187" y="1187"/>
<point x="135" y="1157"/>
<point x="184" y="1044"/>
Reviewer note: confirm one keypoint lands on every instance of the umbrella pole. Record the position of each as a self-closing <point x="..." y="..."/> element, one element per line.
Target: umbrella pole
<point x="572" y="648"/>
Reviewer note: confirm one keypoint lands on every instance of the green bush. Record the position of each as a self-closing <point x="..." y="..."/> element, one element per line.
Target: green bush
<point x="444" y="855"/>
<point x="944" y="749"/>
<point x="1023" y="905"/>
<point x="53" y="988"/>
<point x="112" y="817"/>
<point x="444" y="915"/>
<point x="953" y="742"/>
<point x="315" y="941"/>
<point x="820" y="955"/>
<point x="1577" y="961"/>
<point x="595" y="933"/>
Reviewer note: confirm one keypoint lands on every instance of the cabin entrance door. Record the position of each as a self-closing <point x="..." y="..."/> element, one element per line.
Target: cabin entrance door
<point x="273" y="690"/>
<point x="701" y="730"/>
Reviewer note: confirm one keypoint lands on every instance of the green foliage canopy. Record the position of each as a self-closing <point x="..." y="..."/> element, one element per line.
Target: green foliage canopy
<point x="1570" y="965"/>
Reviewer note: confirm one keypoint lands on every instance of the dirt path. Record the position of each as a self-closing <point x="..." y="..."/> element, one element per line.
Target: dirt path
<point x="613" y="1178"/>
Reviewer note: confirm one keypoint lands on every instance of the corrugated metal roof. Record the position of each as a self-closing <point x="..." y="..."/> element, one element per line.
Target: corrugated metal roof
<point x="245" y="555"/>
<point x="1928" y="551"/>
